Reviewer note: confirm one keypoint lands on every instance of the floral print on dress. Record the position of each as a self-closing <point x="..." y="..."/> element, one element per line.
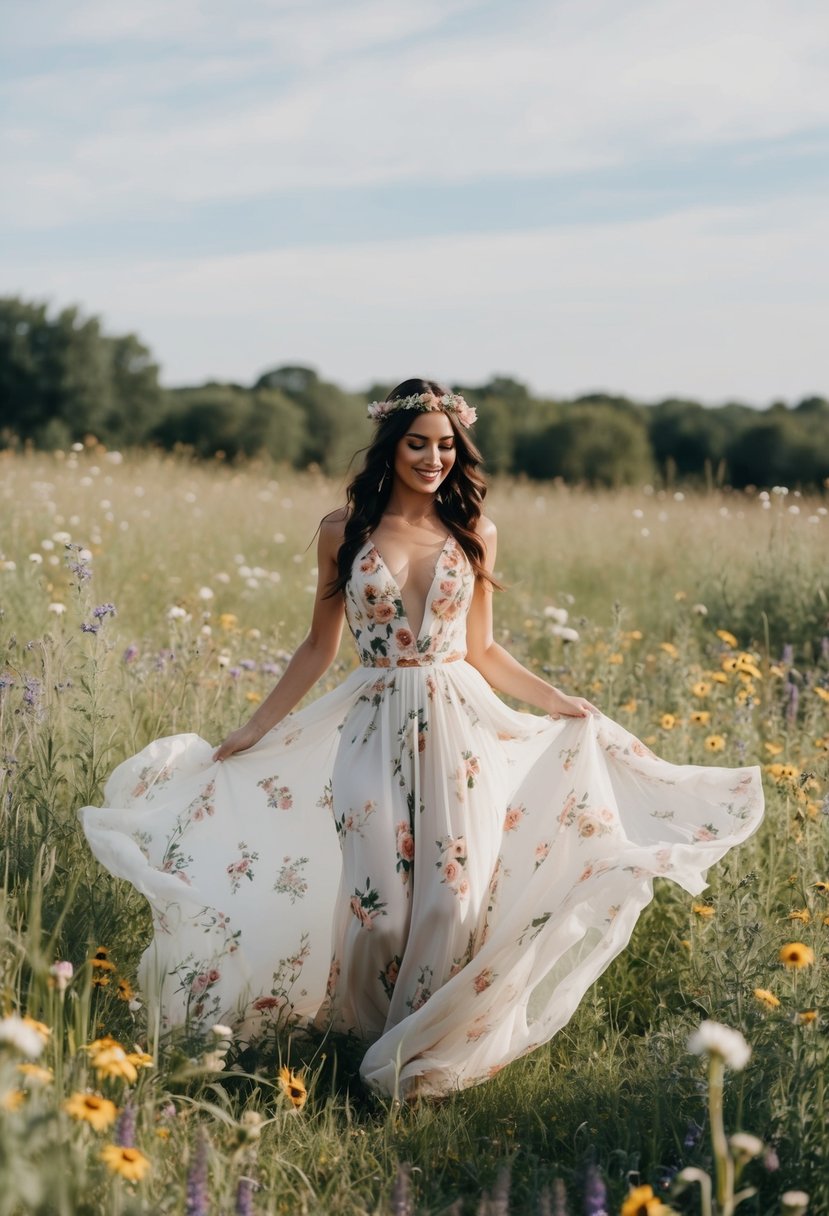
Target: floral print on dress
<point x="150" y="780"/>
<point x="367" y="905"/>
<point x="290" y="880"/>
<point x="405" y="850"/>
<point x="279" y="796"/>
<point x="242" y="867"/>
<point x="452" y="865"/>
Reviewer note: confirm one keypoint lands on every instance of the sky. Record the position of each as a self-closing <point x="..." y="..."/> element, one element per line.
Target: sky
<point x="620" y="195"/>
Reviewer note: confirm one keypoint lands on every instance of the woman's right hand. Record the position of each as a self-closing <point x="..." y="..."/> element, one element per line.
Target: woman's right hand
<point x="237" y="741"/>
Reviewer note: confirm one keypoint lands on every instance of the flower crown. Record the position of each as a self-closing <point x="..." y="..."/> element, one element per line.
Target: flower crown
<point x="450" y="403"/>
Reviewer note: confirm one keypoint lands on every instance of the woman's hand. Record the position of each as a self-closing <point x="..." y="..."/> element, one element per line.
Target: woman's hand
<point x="571" y="707"/>
<point x="237" y="741"/>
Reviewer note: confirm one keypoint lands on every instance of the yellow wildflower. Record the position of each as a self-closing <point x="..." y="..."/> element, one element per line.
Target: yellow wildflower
<point x="718" y="677"/>
<point x="703" y="910"/>
<point x="776" y="670"/>
<point x="679" y="596"/>
<point x="796" y="955"/>
<point x="99" y="1112"/>
<point x="822" y="887"/>
<point x="700" y="717"/>
<point x="641" y="1201"/>
<point x="807" y="1017"/>
<point x="801" y="914"/>
<point x="114" y="1062"/>
<point x="36" y="1074"/>
<point x="228" y="621"/>
<point x="130" y="1163"/>
<point x="12" y="1100"/>
<point x="728" y="638"/>
<point x="141" y="1059"/>
<point x="293" y="1087"/>
<point x="125" y="991"/>
<point x="615" y="659"/>
<point x="39" y="1027"/>
<point x="100" y="981"/>
<point x="746" y="665"/>
<point x="667" y="721"/>
<point x="100" y="960"/>
<point x="634" y="635"/>
<point x="701" y="689"/>
<point x="714" y="743"/>
<point x="773" y="749"/>
<point x="253" y="697"/>
<point x="630" y="706"/>
<point x="766" y="998"/>
<point x="823" y="693"/>
<point x="669" y="649"/>
<point x="684" y="941"/>
<point x="729" y="663"/>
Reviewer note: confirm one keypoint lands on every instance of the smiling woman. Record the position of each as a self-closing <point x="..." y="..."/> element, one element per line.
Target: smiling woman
<point x="435" y="873"/>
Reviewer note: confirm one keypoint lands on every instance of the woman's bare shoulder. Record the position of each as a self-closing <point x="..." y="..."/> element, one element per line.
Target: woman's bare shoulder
<point x="332" y="527"/>
<point x="486" y="529"/>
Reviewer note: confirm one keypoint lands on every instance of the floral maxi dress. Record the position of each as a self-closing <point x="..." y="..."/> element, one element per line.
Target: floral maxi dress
<point x="407" y="859"/>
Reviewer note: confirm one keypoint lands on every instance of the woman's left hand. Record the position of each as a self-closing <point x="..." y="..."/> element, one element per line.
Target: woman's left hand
<point x="572" y="707"/>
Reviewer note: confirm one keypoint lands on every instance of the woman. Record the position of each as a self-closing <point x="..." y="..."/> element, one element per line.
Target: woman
<point x="408" y="859"/>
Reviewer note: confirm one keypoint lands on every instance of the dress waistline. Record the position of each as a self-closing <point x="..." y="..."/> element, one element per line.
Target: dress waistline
<point x="425" y="661"/>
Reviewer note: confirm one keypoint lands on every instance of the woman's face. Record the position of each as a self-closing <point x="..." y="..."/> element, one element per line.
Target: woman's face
<point x="425" y="455"/>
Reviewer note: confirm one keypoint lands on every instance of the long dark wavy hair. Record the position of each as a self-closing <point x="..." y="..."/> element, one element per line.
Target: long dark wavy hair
<point x="458" y="501"/>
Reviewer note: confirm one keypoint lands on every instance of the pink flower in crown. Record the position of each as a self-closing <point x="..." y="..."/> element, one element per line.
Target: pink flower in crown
<point x="466" y="414"/>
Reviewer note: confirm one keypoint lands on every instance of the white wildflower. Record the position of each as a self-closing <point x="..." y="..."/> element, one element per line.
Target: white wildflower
<point x="565" y="632"/>
<point x="559" y="615"/>
<point x="36" y="559"/>
<point x="221" y="1031"/>
<point x="206" y="593"/>
<point x="21" y="1036"/>
<point x="712" y="1038"/>
<point x="745" y="1147"/>
<point x="177" y="613"/>
<point x="57" y="608"/>
<point x="214" y="1061"/>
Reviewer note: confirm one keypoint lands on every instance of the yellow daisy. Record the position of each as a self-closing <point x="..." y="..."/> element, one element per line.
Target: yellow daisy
<point x="704" y="910"/>
<point x="807" y="1017"/>
<point x="766" y="998"/>
<point x="99" y="1112"/>
<point x="641" y="1201"/>
<point x="125" y="991"/>
<point x="114" y="1062"/>
<point x="715" y="743"/>
<point x="725" y="636"/>
<point x="796" y="955"/>
<point x="667" y="721"/>
<point x="823" y="693"/>
<point x="700" y="717"/>
<point x="801" y="914"/>
<point x="130" y="1163"/>
<point x="701" y="689"/>
<point x="293" y="1087"/>
<point x="669" y="649"/>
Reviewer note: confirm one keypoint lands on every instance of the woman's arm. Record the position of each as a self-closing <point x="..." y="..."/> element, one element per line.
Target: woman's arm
<point x="496" y="665"/>
<point x="310" y="660"/>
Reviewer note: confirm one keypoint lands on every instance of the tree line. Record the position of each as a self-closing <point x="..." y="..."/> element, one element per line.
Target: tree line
<point x="62" y="378"/>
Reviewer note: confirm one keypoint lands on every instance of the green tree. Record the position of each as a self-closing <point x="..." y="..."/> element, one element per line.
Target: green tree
<point x="596" y="444"/>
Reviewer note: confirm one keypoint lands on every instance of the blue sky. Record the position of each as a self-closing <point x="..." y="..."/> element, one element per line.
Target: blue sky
<point x="619" y="194"/>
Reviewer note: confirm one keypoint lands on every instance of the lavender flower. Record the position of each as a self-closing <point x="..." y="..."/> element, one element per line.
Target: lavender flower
<point x="595" y="1193"/>
<point x="89" y="627"/>
<point x="787" y="657"/>
<point x="247" y="664"/>
<point x="130" y="653"/>
<point x="244" y="1197"/>
<point x="103" y="611"/>
<point x="272" y="669"/>
<point x="125" y="1127"/>
<point x="195" y="1203"/>
<point x="6" y="682"/>
<point x="31" y="692"/>
<point x="693" y="1132"/>
<point x="792" y="702"/>
<point x="235" y="672"/>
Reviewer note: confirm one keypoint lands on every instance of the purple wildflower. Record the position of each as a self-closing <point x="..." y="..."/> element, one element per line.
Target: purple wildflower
<point x="692" y="1135"/>
<point x="788" y="655"/>
<point x="31" y="692"/>
<point x="195" y="1203"/>
<point x="130" y="653"/>
<point x="6" y="682"/>
<point x="89" y="627"/>
<point x="595" y="1193"/>
<point x="770" y="1159"/>
<point x="559" y="1198"/>
<point x="125" y="1127"/>
<point x="244" y="1197"/>
<point x="104" y="610"/>
<point x="235" y="672"/>
<point x="272" y="669"/>
<point x="248" y="664"/>
<point x="792" y="702"/>
<point x="401" y="1195"/>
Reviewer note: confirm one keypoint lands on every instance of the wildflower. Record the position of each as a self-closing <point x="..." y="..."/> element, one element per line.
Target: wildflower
<point x="703" y="910"/>
<point x="197" y="1197"/>
<point x="130" y="653"/>
<point x="807" y="1017"/>
<point x="113" y="1062"/>
<point x="823" y="693"/>
<point x="630" y="706"/>
<point x="20" y="1035"/>
<point x="100" y="960"/>
<point x="103" y="611"/>
<point x="794" y="1203"/>
<point x="98" y="1112"/>
<point x="595" y="1193"/>
<point x="35" y="1074"/>
<point x="141" y="1059"/>
<point x="228" y="621"/>
<point x="62" y="972"/>
<point x="129" y="1163"/>
<point x="641" y="1201"/>
<point x="701" y="689"/>
<point x="725" y="636"/>
<point x="57" y="608"/>
<point x="714" y="1039"/>
<point x="714" y="743"/>
<point x="796" y="955"/>
<point x="214" y="1061"/>
<point x="100" y="981"/>
<point x="822" y="888"/>
<point x="124" y="992"/>
<point x="669" y="649"/>
<point x="667" y="721"/>
<point x="221" y="1032"/>
<point x="293" y="1087"/>
<point x="773" y="749"/>
<point x="718" y="677"/>
<point x="244" y="1197"/>
<point x="745" y="1147"/>
<point x="700" y="717"/>
<point x="125" y="1127"/>
<point x="89" y="627"/>
<point x="801" y="914"/>
<point x="766" y="998"/>
<point x="250" y="1124"/>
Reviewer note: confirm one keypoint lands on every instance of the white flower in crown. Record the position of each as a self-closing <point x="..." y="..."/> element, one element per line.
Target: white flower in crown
<point x="451" y="403"/>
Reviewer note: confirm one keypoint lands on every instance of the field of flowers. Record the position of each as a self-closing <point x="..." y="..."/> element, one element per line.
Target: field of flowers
<point x="141" y="596"/>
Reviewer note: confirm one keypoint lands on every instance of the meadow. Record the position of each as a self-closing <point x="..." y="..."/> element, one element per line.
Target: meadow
<point x="143" y="595"/>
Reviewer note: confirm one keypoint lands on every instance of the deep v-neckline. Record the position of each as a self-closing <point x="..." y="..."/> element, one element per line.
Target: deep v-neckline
<point x="417" y="635"/>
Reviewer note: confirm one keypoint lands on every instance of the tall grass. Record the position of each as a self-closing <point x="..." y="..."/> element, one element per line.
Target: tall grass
<point x="211" y="572"/>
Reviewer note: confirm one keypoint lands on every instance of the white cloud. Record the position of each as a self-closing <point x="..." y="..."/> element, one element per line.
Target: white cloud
<point x="717" y="303"/>
<point x="355" y="98"/>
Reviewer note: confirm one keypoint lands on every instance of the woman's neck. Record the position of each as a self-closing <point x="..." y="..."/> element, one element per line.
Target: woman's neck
<point x="410" y="507"/>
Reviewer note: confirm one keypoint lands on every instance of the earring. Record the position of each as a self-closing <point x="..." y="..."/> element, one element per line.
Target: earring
<point x="386" y="471"/>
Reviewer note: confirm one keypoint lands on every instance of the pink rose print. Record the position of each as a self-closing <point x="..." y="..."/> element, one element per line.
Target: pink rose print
<point x="384" y="612"/>
<point x="280" y="797"/>
<point x="447" y="587"/>
<point x="483" y="980"/>
<point x="452" y="865"/>
<point x="371" y="592"/>
<point x="451" y="871"/>
<point x="367" y="905"/>
<point x="541" y="851"/>
<point x="266" y="1004"/>
<point x="404" y="638"/>
<point x="370" y="562"/>
<point x="513" y="817"/>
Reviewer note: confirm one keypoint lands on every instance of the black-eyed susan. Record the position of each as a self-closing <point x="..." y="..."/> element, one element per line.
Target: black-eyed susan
<point x="129" y="1163"/>
<point x="801" y="914"/>
<point x="125" y="991"/>
<point x="114" y="1062"/>
<point x="98" y="1112"/>
<point x="718" y="677"/>
<point x="729" y="664"/>
<point x="705" y="911"/>
<point x="726" y="636"/>
<point x="100" y="981"/>
<point x="767" y="998"/>
<point x="796" y="955"/>
<point x="100" y="960"/>
<point x="701" y="689"/>
<point x="772" y="749"/>
<point x="630" y="706"/>
<point x="641" y="1201"/>
<point x="822" y="887"/>
<point x="700" y="717"/>
<point x="293" y="1087"/>
<point x="36" y="1074"/>
<point x="141" y="1059"/>
<point x="715" y="743"/>
<point x="807" y="1017"/>
<point x="668" y="721"/>
<point x="747" y="666"/>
